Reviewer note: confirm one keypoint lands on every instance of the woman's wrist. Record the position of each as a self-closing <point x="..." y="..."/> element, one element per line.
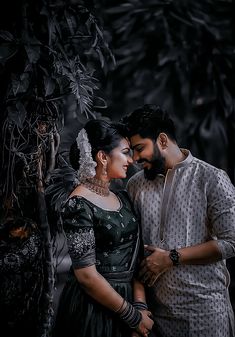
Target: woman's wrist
<point x="120" y="309"/>
<point x="129" y="314"/>
<point x="140" y="305"/>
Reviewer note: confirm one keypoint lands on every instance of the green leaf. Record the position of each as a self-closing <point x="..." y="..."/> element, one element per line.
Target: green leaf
<point x="49" y="86"/>
<point x="7" y="36"/>
<point x="20" y="83"/>
<point x="33" y="53"/>
<point x="7" y="51"/>
<point x="17" y="114"/>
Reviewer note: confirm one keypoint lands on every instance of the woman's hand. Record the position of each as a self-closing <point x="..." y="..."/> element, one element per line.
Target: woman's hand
<point x="146" y="324"/>
<point x="135" y="334"/>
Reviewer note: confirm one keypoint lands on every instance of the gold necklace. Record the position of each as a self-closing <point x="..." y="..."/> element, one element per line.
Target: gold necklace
<point x="97" y="186"/>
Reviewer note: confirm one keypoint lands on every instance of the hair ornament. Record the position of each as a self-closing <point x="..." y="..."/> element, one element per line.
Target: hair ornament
<point x="86" y="163"/>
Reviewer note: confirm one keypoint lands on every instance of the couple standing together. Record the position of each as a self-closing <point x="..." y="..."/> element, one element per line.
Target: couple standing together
<point x="148" y="261"/>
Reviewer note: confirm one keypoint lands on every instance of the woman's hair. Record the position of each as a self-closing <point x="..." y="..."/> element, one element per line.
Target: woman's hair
<point x="149" y="121"/>
<point x="102" y="135"/>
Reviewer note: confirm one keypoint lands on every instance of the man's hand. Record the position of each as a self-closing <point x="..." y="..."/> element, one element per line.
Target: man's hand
<point x="154" y="265"/>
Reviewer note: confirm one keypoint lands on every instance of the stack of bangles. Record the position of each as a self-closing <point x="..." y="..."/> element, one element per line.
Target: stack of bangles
<point x="140" y="305"/>
<point x="130" y="314"/>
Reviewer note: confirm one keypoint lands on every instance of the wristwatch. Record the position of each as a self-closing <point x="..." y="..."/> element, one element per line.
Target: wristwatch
<point x="175" y="257"/>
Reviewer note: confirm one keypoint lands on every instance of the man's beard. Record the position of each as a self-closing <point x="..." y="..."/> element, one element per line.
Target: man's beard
<point x="157" y="165"/>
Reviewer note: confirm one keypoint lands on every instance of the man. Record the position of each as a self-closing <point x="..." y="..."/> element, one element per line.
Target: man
<point x="187" y="213"/>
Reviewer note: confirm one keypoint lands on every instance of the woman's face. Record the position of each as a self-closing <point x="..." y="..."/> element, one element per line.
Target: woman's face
<point x="119" y="159"/>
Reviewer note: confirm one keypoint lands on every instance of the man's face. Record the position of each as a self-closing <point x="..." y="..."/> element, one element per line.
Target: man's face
<point x="147" y="152"/>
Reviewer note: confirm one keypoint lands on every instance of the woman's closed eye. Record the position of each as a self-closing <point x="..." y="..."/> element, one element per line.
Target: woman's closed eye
<point x="127" y="152"/>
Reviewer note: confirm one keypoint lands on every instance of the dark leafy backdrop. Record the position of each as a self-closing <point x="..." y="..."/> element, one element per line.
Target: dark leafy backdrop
<point x="63" y="62"/>
<point x="179" y="54"/>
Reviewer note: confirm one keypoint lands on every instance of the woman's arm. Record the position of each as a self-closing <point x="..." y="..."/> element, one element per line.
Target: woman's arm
<point x="78" y="227"/>
<point x="139" y="291"/>
<point x="96" y="286"/>
<point x="140" y="301"/>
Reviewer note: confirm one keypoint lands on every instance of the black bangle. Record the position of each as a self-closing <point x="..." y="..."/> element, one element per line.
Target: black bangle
<point x="140" y="305"/>
<point x="130" y="316"/>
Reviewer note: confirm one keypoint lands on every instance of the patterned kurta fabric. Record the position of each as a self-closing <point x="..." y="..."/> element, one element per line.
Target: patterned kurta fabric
<point x="193" y="203"/>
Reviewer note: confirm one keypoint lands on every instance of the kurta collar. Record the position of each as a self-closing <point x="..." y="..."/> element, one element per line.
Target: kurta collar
<point x="186" y="161"/>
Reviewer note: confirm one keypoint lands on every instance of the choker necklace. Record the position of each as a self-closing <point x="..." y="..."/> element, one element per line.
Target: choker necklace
<point x="97" y="186"/>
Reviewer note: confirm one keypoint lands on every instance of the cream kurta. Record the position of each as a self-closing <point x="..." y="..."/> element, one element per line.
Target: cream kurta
<point x="194" y="203"/>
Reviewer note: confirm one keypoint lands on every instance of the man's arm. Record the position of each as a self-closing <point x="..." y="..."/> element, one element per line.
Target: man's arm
<point x="221" y="213"/>
<point x="159" y="260"/>
<point x="221" y="216"/>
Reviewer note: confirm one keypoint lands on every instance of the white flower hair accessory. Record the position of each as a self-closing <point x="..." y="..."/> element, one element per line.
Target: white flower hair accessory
<point x="86" y="163"/>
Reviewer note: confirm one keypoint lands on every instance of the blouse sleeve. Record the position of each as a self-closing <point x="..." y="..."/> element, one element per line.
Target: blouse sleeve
<point x="221" y="213"/>
<point x="78" y="227"/>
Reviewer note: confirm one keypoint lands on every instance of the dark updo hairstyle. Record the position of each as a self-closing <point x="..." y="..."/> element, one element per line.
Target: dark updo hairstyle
<point x="149" y="121"/>
<point x="102" y="135"/>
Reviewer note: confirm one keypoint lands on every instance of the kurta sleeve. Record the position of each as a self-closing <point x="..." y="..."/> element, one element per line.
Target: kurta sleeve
<point x="78" y="227"/>
<point x="221" y="213"/>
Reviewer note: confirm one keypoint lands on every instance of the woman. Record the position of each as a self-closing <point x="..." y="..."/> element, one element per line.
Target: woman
<point x="101" y="297"/>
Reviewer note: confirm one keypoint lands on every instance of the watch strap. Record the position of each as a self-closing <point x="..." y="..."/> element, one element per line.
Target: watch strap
<point x="175" y="257"/>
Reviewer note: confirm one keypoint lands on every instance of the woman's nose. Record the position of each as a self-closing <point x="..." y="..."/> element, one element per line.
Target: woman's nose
<point x="135" y="156"/>
<point x="130" y="160"/>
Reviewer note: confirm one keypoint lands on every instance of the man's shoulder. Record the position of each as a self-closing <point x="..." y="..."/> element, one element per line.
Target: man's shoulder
<point x="206" y="166"/>
<point x="135" y="181"/>
<point x="209" y="172"/>
<point x="137" y="176"/>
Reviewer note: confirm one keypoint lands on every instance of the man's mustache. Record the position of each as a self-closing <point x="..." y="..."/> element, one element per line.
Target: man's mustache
<point x="140" y="161"/>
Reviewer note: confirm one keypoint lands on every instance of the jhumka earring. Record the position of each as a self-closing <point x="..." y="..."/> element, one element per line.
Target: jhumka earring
<point x="104" y="169"/>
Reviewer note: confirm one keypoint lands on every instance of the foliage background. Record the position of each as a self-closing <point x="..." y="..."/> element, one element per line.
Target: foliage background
<point x="63" y="62"/>
<point x="179" y="54"/>
<point x="50" y="55"/>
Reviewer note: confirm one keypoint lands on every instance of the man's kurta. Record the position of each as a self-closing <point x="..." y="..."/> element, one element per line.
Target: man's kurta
<point x="193" y="203"/>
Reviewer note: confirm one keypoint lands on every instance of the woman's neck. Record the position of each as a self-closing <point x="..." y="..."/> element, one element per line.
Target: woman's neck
<point x="97" y="185"/>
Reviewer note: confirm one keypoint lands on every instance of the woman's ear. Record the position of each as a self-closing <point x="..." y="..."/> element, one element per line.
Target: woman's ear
<point x="102" y="161"/>
<point x="101" y="157"/>
<point x="162" y="141"/>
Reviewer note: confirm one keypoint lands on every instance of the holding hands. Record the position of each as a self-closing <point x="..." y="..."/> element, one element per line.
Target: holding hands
<point x="145" y="325"/>
<point x="137" y="317"/>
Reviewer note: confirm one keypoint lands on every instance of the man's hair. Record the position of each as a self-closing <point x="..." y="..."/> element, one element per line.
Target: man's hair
<point x="149" y="121"/>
